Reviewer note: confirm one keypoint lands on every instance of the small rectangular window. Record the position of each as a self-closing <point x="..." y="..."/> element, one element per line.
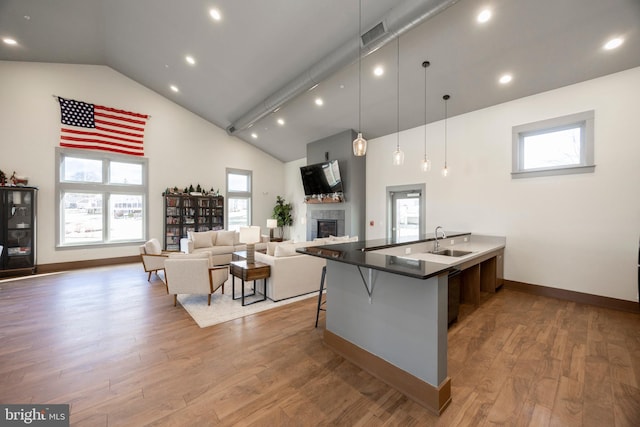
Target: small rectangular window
<point x="125" y="173"/>
<point x="238" y="213"/>
<point x="238" y="198"/>
<point x="77" y="169"/>
<point x="563" y="145"/>
<point x="81" y="218"/>
<point x="238" y="182"/>
<point x="126" y="222"/>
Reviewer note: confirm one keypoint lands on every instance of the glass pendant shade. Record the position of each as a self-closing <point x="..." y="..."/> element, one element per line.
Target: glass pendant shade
<point x="398" y="157"/>
<point x="359" y="146"/>
<point x="426" y="164"/>
<point x="445" y="171"/>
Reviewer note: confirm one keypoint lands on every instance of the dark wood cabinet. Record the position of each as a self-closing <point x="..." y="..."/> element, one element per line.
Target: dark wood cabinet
<point x="184" y="213"/>
<point x="18" y="230"/>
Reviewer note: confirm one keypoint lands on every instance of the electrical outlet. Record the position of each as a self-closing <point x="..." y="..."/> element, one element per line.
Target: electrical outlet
<point x="466" y="239"/>
<point x="452" y="241"/>
<point x="407" y="251"/>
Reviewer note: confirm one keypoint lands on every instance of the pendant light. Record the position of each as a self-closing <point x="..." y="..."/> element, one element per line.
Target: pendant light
<point x="398" y="155"/>
<point x="359" y="144"/>
<point x="426" y="163"/>
<point x="445" y="170"/>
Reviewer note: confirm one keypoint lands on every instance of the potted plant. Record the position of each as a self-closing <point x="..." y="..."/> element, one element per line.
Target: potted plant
<point x="282" y="213"/>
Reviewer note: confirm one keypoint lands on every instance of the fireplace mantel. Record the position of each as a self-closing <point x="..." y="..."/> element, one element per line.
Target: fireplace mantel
<point x="333" y="198"/>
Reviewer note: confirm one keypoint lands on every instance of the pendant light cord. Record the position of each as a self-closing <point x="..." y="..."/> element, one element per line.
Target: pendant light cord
<point x="359" y="66"/>
<point x="398" y="91"/>
<point x="445" y="132"/>
<point x="446" y="114"/>
<point x="425" y="64"/>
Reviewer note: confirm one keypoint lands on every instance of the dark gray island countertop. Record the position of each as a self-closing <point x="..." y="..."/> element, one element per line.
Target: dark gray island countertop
<point x="375" y="254"/>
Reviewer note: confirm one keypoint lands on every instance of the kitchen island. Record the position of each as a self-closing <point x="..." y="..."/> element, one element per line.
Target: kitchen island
<point x="387" y="307"/>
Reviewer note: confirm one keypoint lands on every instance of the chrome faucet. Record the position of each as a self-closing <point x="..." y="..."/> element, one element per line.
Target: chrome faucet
<point x="436" y="245"/>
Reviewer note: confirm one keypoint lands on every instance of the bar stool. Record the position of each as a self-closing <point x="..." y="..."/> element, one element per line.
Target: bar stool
<point x="320" y="302"/>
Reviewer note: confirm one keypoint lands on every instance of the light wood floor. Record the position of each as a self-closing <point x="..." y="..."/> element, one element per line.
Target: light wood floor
<point x="113" y="346"/>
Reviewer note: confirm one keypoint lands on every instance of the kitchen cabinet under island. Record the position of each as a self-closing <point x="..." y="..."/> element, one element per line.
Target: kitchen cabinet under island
<point x="387" y="302"/>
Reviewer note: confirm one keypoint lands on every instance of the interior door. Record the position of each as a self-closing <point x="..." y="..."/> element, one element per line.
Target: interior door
<point x="406" y="215"/>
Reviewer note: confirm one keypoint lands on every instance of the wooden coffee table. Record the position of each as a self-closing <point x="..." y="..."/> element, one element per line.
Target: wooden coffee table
<point x="249" y="272"/>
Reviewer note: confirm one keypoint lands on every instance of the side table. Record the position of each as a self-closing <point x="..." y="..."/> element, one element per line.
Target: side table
<point x="249" y="272"/>
<point x="242" y="255"/>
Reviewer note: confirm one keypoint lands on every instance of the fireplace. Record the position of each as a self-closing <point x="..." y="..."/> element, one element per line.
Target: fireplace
<point x="327" y="227"/>
<point x="325" y="222"/>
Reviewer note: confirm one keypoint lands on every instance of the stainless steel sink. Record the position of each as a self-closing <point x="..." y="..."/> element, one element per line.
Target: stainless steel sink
<point x="450" y="252"/>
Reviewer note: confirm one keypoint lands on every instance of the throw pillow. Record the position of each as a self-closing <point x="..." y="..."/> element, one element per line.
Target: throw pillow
<point x="152" y="247"/>
<point x="226" y="238"/>
<point x="271" y="248"/>
<point x="285" y="249"/>
<point x="202" y="239"/>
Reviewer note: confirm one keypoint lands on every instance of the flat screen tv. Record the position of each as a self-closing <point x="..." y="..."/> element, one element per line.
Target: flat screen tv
<point x="321" y="178"/>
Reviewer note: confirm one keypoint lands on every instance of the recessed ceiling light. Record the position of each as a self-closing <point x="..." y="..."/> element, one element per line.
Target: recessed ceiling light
<point x="613" y="43"/>
<point x="505" y="78"/>
<point x="9" y="41"/>
<point x="319" y="101"/>
<point x="484" y="16"/>
<point x="215" y="14"/>
<point x="378" y="71"/>
<point x="174" y="88"/>
<point x="254" y="135"/>
<point x="190" y="59"/>
<point x="281" y="122"/>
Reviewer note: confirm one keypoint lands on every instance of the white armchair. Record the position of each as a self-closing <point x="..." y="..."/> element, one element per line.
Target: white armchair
<point x="152" y="257"/>
<point x="193" y="276"/>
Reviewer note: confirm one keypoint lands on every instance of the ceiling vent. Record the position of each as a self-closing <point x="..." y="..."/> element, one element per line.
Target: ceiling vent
<point x="373" y="34"/>
<point x="400" y="19"/>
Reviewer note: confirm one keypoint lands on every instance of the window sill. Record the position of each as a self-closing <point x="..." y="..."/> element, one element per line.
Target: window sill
<point x="569" y="170"/>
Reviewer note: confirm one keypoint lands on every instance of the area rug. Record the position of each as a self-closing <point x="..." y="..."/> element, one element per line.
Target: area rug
<point x="224" y="309"/>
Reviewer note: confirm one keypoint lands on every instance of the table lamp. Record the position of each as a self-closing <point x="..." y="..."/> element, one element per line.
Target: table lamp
<point x="271" y="224"/>
<point x="250" y="236"/>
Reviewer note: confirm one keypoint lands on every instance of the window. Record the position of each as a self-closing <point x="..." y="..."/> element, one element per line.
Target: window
<point x="559" y="146"/>
<point x="238" y="198"/>
<point x="102" y="198"/>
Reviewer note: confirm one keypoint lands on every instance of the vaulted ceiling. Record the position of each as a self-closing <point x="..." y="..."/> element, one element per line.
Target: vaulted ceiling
<point x="263" y="56"/>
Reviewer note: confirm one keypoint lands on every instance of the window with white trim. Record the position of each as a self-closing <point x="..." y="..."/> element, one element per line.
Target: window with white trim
<point x="238" y="198"/>
<point x="559" y="146"/>
<point x="102" y="198"/>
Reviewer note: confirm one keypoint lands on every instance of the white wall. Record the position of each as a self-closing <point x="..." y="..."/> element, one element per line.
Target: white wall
<point x="182" y="148"/>
<point x="574" y="232"/>
<point x="294" y="193"/>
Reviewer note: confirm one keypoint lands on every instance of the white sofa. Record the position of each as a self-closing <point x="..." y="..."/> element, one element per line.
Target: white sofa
<point x="293" y="273"/>
<point x="220" y="244"/>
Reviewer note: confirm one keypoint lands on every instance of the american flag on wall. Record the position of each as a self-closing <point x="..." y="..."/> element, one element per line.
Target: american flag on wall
<point x="101" y="128"/>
